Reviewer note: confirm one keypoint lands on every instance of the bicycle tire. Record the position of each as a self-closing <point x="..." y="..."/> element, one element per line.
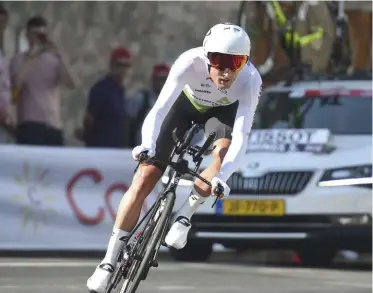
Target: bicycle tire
<point x="152" y="243"/>
<point x="119" y="271"/>
<point x="269" y="61"/>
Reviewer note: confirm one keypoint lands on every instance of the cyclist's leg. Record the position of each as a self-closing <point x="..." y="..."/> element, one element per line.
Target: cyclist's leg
<point x="221" y="146"/>
<point x="149" y="174"/>
<point x="142" y="184"/>
<point x="223" y="125"/>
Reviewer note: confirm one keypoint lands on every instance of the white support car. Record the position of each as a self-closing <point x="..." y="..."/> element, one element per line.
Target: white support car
<point x="307" y="182"/>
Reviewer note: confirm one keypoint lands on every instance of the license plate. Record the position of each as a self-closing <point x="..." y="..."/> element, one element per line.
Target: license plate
<point x="242" y="207"/>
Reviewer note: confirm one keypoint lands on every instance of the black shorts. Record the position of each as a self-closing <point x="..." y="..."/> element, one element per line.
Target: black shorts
<point x="181" y="114"/>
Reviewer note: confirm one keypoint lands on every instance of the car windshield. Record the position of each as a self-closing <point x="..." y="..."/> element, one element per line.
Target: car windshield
<point x="339" y="114"/>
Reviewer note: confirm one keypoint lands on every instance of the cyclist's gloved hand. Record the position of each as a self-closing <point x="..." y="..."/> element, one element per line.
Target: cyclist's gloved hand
<point x="214" y="183"/>
<point x="139" y="149"/>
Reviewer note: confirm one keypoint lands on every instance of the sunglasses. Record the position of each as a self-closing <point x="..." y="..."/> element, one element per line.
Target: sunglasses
<point x="222" y="61"/>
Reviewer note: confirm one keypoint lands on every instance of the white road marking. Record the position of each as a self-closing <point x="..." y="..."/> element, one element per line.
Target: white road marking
<point x="199" y="288"/>
<point x="346" y="284"/>
<point x="47" y="264"/>
<point x="168" y="267"/>
<point x="320" y="275"/>
<point x="40" y="287"/>
<point x="173" y="288"/>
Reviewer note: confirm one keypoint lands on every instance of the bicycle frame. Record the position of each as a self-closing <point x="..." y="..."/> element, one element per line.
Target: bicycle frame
<point x="180" y="167"/>
<point x="292" y="38"/>
<point x="291" y="41"/>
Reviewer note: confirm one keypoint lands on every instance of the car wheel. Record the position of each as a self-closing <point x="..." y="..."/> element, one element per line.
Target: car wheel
<point x="192" y="252"/>
<point x="321" y="257"/>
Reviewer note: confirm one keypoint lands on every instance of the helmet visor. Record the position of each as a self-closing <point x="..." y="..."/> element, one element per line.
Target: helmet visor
<point x="222" y="61"/>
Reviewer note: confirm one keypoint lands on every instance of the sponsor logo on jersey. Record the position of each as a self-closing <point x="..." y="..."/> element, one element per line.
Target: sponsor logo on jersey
<point x="202" y="100"/>
<point x="224" y="101"/>
<point x="205" y="85"/>
<point x="203" y="91"/>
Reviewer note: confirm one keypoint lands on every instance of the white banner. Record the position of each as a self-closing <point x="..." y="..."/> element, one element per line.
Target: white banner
<point x="62" y="198"/>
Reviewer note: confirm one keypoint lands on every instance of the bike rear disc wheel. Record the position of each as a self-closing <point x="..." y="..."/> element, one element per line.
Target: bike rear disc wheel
<point x="154" y="240"/>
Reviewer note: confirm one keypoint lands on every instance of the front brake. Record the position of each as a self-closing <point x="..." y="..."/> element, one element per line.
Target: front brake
<point x="216" y="200"/>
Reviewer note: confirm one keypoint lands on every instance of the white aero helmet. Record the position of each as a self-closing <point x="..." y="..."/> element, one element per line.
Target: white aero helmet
<point x="227" y="38"/>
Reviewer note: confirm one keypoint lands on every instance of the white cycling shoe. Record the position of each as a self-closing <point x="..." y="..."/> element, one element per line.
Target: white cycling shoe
<point x="98" y="282"/>
<point x="178" y="234"/>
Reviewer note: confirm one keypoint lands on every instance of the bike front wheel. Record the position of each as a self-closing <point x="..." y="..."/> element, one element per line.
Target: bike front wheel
<point x="139" y="269"/>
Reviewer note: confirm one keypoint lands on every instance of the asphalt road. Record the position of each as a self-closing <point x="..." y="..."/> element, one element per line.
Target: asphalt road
<point x="41" y="275"/>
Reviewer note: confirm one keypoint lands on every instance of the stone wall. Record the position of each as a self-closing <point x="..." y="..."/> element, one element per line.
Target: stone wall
<point x="87" y="31"/>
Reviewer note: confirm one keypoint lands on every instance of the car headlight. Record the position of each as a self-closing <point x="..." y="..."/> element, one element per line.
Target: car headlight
<point x="354" y="175"/>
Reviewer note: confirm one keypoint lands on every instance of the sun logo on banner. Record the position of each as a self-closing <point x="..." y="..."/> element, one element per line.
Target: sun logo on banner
<point x="34" y="192"/>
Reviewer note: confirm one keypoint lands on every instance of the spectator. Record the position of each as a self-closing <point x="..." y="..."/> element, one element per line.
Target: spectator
<point x="143" y="101"/>
<point x="5" y="103"/>
<point x="36" y="76"/>
<point x="105" y="118"/>
<point x="3" y="25"/>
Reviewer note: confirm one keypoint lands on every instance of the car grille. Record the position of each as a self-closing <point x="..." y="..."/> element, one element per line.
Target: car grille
<point x="286" y="183"/>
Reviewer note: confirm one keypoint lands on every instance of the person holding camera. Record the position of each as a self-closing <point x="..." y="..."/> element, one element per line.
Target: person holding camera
<point x="36" y="77"/>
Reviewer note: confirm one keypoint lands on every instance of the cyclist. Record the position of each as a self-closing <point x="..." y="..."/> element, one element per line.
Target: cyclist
<point x="212" y="81"/>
